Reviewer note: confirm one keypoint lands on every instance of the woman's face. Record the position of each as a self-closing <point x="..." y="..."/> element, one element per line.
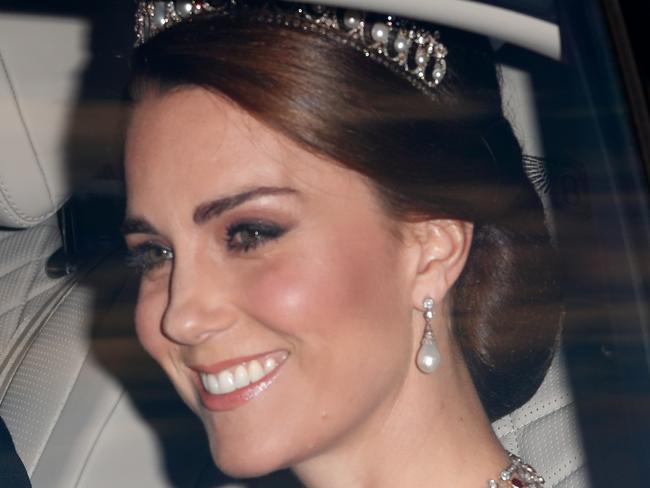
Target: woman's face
<point x="275" y="293"/>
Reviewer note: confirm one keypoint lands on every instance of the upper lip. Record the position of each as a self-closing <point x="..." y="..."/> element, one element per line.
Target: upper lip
<point x="221" y="365"/>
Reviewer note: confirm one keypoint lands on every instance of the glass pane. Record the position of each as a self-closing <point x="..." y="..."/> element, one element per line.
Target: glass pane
<point x="583" y="136"/>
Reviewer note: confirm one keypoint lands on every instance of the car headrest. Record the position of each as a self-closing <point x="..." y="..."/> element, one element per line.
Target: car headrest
<point x="40" y="63"/>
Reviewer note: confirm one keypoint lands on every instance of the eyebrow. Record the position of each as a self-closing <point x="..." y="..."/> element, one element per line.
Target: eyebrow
<point x="208" y="210"/>
<point x="137" y="225"/>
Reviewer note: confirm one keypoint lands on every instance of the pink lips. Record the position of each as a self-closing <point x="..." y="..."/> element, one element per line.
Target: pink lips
<point x="236" y="398"/>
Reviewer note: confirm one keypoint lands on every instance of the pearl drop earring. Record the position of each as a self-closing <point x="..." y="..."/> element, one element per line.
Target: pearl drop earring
<point x="428" y="357"/>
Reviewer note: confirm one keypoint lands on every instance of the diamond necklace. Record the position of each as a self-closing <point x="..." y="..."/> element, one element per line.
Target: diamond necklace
<point x="517" y="475"/>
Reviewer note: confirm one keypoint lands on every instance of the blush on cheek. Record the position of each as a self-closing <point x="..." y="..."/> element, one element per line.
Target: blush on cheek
<point x="309" y="292"/>
<point x="282" y="292"/>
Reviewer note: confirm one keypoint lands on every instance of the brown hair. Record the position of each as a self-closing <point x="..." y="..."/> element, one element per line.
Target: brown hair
<point x="450" y="154"/>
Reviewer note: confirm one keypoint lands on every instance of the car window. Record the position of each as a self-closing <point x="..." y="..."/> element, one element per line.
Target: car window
<point x="590" y="160"/>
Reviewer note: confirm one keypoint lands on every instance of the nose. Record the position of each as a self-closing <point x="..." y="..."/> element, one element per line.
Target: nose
<point x="198" y="304"/>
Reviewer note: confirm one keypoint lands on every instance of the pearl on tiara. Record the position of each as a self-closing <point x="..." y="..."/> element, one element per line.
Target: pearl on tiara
<point x="351" y="19"/>
<point x="379" y="32"/>
<point x="401" y="45"/>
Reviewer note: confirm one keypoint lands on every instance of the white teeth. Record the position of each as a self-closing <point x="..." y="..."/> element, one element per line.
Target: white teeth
<point x="255" y="371"/>
<point x="242" y="375"/>
<point x="226" y="381"/>
<point x="212" y="383"/>
<point x="269" y="365"/>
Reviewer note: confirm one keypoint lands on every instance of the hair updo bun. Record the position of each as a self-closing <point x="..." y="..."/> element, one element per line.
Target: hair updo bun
<point x="448" y="155"/>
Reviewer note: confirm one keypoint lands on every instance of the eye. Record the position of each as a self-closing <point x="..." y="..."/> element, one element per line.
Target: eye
<point x="248" y="235"/>
<point x="147" y="256"/>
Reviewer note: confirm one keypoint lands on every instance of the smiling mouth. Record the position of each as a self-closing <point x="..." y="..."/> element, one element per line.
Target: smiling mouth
<point x="242" y="374"/>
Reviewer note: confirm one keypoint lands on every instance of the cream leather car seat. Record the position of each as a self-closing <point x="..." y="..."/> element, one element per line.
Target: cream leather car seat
<point x="545" y="430"/>
<point x="85" y="407"/>
<point x="64" y="336"/>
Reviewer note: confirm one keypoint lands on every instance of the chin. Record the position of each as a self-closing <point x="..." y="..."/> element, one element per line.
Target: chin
<point x="244" y="461"/>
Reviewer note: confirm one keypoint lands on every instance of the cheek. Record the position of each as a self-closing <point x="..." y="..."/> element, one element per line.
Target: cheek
<point x="339" y="292"/>
<point x="297" y="295"/>
<point x="342" y="310"/>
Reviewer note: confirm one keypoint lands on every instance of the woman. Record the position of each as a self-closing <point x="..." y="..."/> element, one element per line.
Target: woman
<point x="345" y="268"/>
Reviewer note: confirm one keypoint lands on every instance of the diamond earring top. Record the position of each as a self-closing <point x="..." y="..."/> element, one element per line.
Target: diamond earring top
<point x="401" y="45"/>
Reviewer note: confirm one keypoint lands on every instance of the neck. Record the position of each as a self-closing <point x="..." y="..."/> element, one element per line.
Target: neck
<point x="434" y="433"/>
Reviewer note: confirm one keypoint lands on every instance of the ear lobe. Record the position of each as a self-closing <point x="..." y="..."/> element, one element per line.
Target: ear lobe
<point x="444" y="247"/>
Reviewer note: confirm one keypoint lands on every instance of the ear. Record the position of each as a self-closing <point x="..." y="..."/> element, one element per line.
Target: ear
<point x="443" y="247"/>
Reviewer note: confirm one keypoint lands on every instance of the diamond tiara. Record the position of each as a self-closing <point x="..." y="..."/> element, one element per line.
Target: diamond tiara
<point x="399" y="44"/>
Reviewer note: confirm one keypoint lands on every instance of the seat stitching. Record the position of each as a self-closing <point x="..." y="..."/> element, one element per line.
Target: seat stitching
<point x="9" y="212"/>
<point x="517" y="433"/>
<point x="545" y="415"/>
<point x="44" y="244"/>
<point x="7" y="235"/>
<point x="29" y="335"/>
<point x="31" y="298"/>
<point x="38" y="253"/>
<point x="32" y="146"/>
<point x="579" y="466"/>
<point x="512" y="428"/>
<point x="42" y="318"/>
<point x="40" y="451"/>
<point x="22" y="265"/>
<point x="99" y="434"/>
<point x="25" y="296"/>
